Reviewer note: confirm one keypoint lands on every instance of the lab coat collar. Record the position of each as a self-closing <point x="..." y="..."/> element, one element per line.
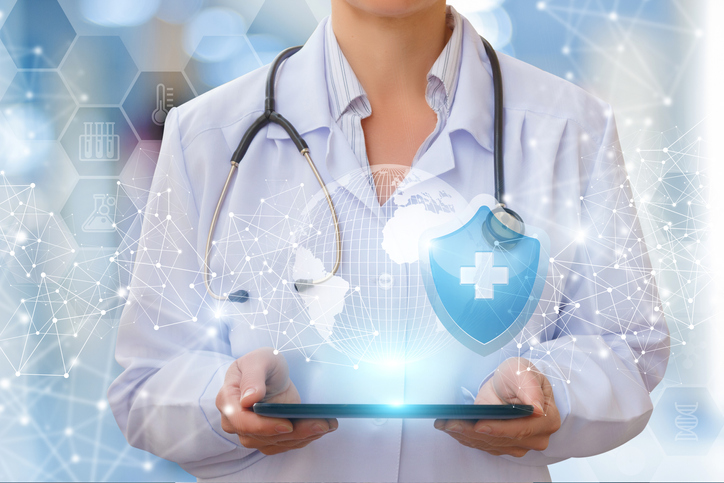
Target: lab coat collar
<point x="472" y="109"/>
<point x="301" y="88"/>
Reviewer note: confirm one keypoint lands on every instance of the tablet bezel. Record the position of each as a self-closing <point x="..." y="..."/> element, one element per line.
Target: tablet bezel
<point x="394" y="411"/>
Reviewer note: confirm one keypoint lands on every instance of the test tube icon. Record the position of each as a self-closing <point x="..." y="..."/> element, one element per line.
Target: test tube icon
<point x="99" y="142"/>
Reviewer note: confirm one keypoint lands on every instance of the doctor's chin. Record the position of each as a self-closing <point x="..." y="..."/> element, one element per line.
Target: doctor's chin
<point x="360" y="240"/>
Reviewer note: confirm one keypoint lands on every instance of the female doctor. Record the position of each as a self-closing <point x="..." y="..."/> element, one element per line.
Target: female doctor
<point x="406" y="84"/>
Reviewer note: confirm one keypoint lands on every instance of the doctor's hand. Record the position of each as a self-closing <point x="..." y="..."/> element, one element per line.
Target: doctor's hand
<point x="516" y="381"/>
<point x="261" y="375"/>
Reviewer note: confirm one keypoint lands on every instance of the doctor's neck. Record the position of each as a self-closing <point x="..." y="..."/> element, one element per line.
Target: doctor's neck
<point x="391" y="44"/>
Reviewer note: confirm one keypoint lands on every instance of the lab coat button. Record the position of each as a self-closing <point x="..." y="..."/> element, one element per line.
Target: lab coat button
<point x="379" y="421"/>
<point x="385" y="281"/>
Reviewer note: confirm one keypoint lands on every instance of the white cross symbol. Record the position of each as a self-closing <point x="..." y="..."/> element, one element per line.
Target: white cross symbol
<point x="484" y="275"/>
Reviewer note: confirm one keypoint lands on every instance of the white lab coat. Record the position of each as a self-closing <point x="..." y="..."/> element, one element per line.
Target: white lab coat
<point x="564" y="173"/>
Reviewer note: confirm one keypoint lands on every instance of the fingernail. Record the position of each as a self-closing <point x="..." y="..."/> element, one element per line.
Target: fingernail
<point x="484" y="430"/>
<point x="318" y="429"/>
<point x="282" y="428"/>
<point x="249" y="392"/>
<point x="439" y="424"/>
<point x="455" y="428"/>
<point x="539" y="406"/>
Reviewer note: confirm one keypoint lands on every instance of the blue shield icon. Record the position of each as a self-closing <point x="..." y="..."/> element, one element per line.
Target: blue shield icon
<point x="483" y="292"/>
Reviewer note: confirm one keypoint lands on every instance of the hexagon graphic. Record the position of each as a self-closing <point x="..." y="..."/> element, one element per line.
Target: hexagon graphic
<point x="37" y="34"/>
<point x="42" y="163"/>
<point x="7" y="69"/>
<point x="290" y="21"/>
<point x="218" y="60"/>
<point x="99" y="213"/>
<point x="37" y="105"/>
<point x="99" y="141"/>
<point x="686" y="421"/>
<point x="151" y="98"/>
<point x="99" y="70"/>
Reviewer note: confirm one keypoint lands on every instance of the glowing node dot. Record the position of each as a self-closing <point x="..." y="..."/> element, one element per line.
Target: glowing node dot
<point x="276" y="352"/>
<point x="194" y="319"/>
<point x="376" y="333"/>
<point x="519" y="346"/>
<point x="155" y="327"/>
<point x="356" y="366"/>
<point x="17" y="374"/>
<point x="66" y="375"/>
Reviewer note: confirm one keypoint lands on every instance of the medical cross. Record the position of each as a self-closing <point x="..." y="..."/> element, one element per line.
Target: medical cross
<point x="484" y="275"/>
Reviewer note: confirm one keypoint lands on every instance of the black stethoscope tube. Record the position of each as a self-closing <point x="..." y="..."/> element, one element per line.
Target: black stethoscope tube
<point x="502" y="226"/>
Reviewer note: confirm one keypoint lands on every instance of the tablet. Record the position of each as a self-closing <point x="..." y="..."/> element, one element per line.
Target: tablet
<point x="393" y="411"/>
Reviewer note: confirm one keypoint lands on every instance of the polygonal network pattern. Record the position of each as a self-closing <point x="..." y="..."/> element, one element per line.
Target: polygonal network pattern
<point x="37" y="34"/>
<point x="99" y="70"/>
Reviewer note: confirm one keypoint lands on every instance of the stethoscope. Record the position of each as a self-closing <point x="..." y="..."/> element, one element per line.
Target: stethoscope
<point x="502" y="227"/>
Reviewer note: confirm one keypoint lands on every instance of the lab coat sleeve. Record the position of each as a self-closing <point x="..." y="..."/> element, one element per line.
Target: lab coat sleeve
<point x="173" y="351"/>
<point x="607" y="346"/>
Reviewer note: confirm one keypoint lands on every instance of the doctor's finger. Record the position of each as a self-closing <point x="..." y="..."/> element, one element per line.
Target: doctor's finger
<point x="301" y="429"/>
<point x="291" y="440"/>
<point x="248" y="422"/>
<point x="516" y="429"/>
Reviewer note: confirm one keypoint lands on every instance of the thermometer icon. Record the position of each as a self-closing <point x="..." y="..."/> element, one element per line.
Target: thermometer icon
<point x="164" y="102"/>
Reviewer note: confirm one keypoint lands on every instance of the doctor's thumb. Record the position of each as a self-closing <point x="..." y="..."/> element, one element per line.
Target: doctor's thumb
<point x="259" y="369"/>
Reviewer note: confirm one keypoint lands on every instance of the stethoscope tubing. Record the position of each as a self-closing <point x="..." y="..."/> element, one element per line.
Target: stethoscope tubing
<point x="270" y="115"/>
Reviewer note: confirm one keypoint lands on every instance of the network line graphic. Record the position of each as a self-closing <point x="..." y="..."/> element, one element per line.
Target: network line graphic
<point x="63" y="298"/>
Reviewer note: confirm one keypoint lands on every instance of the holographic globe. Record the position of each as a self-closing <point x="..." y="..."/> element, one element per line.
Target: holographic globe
<point x="375" y="308"/>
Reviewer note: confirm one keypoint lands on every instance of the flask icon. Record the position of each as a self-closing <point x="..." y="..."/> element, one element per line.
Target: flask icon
<point x="100" y="220"/>
<point x="99" y="142"/>
<point x="164" y="103"/>
<point x="686" y="422"/>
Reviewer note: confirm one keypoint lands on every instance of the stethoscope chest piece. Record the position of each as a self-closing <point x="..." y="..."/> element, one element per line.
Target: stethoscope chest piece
<point x="503" y="227"/>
